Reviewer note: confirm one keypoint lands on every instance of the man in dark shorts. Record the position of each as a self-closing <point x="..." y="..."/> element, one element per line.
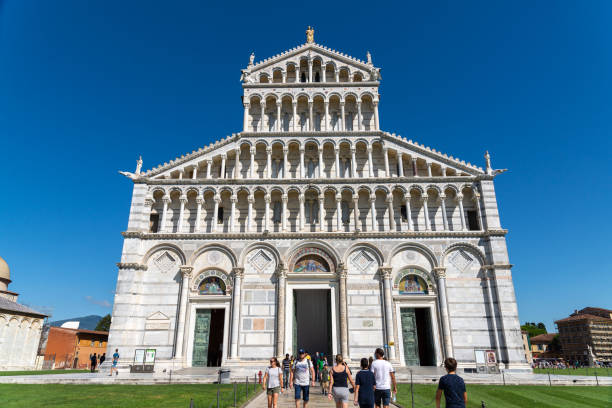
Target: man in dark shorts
<point x="453" y="387"/>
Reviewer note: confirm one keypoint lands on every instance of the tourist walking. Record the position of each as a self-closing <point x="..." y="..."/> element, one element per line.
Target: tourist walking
<point x="286" y="370"/>
<point x="115" y="362"/>
<point x="453" y="387"/>
<point x="302" y="376"/>
<point x="338" y="385"/>
<point x="102" y="358"/>
<point x="273" y="379"/>
<point x="93" y="361"/>
<point x="385" y="377"/>
<point x="364" y="386"/>
<point x="324" y="379"/>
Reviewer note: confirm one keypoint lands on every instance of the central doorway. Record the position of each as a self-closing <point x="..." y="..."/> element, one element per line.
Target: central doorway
<point x="208" y="338"/>
<point x="417" y="335"/>
<point x="312" y="321"/>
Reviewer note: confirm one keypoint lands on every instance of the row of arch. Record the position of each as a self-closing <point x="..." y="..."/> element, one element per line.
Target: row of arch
<point x="311" y="158"/>
<point x="313" y="209"/>
<point x="19" y="336"/>
<point x="306" y="70"/>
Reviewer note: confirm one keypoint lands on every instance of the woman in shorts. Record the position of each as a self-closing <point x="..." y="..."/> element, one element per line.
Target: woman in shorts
<point x="274" y="381"/>
<point x="338" y="386"/>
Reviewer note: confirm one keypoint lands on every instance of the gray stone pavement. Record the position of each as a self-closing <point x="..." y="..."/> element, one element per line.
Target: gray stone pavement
<point x="287" y="400"/>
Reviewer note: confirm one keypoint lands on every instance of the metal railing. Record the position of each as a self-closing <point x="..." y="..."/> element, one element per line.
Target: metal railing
<point x="231" y="395"/>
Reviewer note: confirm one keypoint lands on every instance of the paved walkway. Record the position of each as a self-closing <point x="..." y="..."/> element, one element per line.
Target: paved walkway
<point x="287" y="400"/>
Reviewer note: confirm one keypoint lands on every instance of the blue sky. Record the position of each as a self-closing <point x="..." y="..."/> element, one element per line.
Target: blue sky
<point x="85" y="87"/>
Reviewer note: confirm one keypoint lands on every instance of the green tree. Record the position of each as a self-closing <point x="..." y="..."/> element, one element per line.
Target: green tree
<point x="534" y="329"/>
<point x="104" y="323"/>
<point x="541" y="326"/>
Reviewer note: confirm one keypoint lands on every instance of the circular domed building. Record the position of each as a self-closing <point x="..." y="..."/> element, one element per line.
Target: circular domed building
<point x="20" y="327"/>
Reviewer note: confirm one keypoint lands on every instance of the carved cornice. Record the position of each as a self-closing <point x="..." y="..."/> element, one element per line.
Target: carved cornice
<point x="311" y="235"/>
<point x="186" y="271"/>
<point x="238" y="272"/>
<point x="497" y="266"/>
<point x="385" y="272"/>
<point x="305" y="85"/>
<point x="128" y="265"/>
<point x="439" y="272"/>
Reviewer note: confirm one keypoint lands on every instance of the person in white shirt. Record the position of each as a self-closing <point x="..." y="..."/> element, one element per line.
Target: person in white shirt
<point x="274" y="381"/>
<point x="302" y="376"/>
<point x="385" y="377"/>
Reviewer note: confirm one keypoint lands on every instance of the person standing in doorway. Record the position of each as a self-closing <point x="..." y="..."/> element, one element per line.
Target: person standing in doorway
<point x="385" y="377"/>
<point x="302" y="377"/>
<point x="273" y="378"/>
<point x="364" y="386"/>
<point x="286" y="370"/>
<point x="115" y="362"/>
<point x="453" y="387"/>
<point x="338" y="385"/>
<point x="315" y="362"/>
<point x="93" y="360"/>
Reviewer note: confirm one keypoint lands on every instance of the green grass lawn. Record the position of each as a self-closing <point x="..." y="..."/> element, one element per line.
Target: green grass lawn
<point x="128" y="396"/>
<point x="41" y="372"/>
<point x="607" y="372"/>
<point x="514" y="396"/>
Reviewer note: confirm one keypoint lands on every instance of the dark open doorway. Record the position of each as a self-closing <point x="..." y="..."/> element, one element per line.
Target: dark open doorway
<point x="208" y="338"/>
<point x="417" y="333"/>
<point x="312" y="321"/>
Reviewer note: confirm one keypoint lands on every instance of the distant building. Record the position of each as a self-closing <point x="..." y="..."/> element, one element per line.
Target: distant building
<point x="20" y="328"/>
<point x="71" y="348"/>
<point x="540" y="344"/>
<point x="586" y="335"/>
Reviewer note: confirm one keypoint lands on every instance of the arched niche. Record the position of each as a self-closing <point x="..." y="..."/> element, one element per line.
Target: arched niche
<point x="218" y="257"/>
<point x="312" y="260"/>
<point x="413" y="281"/>
<point x="211" y="282"/>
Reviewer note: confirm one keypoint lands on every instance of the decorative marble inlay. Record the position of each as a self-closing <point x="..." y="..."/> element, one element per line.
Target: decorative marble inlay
<point x="214" y="257"/>
<point x="362" y="261"/>
<point x="260" y="260"/>
<point x="165" y="262"/>
<point x="409" y="256"/>
<point x="461" y="260"/>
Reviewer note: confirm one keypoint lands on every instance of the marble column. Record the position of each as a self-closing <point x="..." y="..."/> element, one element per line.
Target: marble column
<point x="359" y="126"/>
<point x="400" y="164"/>
<point x="309" y="70"/>
<point x="194" y="175"/>
<point x="294" y="124"/>
<point x="337" y="164"/>
<point x="164" y="220"/>
<point x="252" y="166"/>
<point x="198" y="221"/>
<point x="376" y="125"/>
<point x="428" y="169"/>
<point x="415" y="168"/>
<point x="370" y="163"/>
<point x="285" y="163"/>
<point x="426" y="212"/>
<point x="182" y="313"/>
<point x="342" y="274"/>
<point x="408" y="210"/>
<point x="353" y="163"/>
<point x="461" y="212"/>
<point x="443" y="209"/>
<point x="386" y="158"/>
<point x="222" y="171"/>
<point x="338" y="212"/>
<point x="281" y="276"/>
<point x="302" y="221"/>
<point x="389" y="329"/>
<point x="443" y="171"/>
<point x="278" y="116"/>
<point x="267" y="200"/>
<point x="278" y="168"/>
<point x="311" y="126"/>
<point x="217" y="200"/>
<point x="284" y="212"/>
<point x="208" y="167"/>
<point x="321" y="175"/>
<point x="262" y="106"/>
<point x="269" y="162"/>
<point x="356" y="211"/>
<point x="326" y="117"/>
<point x="440" y="275"/>
<point x="233" y="200"/>
<point x="238" y="275"/>
<point x="250" y="200"/>
<point x="237" y="165"/>
<point x="343" y="122"/>
<point x="321" y="211"/>
<point x="389" y="200"/>
<point x="245" y="120"/>
<point x="478" y="211"/>
<point x="373" y="210"/>
<point x="302" y="172"/>
<point x="181" y="221"/>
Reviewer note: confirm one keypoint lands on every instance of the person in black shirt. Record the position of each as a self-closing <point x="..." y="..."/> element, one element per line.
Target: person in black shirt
<point x="453" y="387"/>
<point x="364" y="386"/>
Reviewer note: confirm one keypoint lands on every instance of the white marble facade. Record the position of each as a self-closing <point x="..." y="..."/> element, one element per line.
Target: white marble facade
<point x="315" y="179"/>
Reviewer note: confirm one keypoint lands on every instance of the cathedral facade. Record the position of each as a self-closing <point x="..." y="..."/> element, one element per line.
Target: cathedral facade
<point x="313" y="228"/>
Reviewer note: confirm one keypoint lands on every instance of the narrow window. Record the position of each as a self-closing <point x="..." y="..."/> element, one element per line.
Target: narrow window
<point x="154" y="222"/>
<point x="276" y="218"/>
<point x="404" y="213"/>
<point x="345" y="212"/>
<point x="220" y="216"/>
<point x="317" y="77"/>
<point x="472" y="218"/>
<point x="303" y="78"/>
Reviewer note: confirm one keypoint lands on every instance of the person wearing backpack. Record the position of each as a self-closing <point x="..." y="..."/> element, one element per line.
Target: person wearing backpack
<point x="302" y="377"/>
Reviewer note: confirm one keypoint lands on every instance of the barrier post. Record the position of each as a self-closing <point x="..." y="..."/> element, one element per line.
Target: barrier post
<point x="411" y="389"/>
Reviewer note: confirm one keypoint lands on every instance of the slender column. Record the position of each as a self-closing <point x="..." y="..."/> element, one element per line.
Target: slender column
<point x="321" y="175"/>
<point x="326" y="113"/>
<point x="183" y="201"/>
<point x="223" y="159"/>
<point x="461" y="213"/>
<point x="284" y="73"/>
<point x="358" y="115"/>
<point x="337" y="152"/>
<point x="343" y="309"/>
<point x="301" y="214"/>
<point x="245" y="120"/>
<point x="267" y="199"/>
<point x="342" y="123"/>
<point x="414" y="167"/>
<point x="278" y="116"/>
<point x="297" y="73"/>
<point x="233" y="200"/>
<point x="386" y="158"/>
<point x="311" y="126"/>
<point x="281" y="275"/>
<point x="338" y="212"/>
<point x="376" y="126"/>
<point x="488" y="278"/>
<point x="355" y="211"/>
<point x="370" y="163"/>
<point x="389" y="200"/>
<point x="208" y="166"/>
<point x="285" y="163"/>
<point x="194" y="175"/>
<point x="337" y="75"/>
<point x="386" y="275"/>
<point x="309" y="70"/>
<point x="181" y="173"/>
<point x="278" y="169"/>
<point x="428" y="169"/>
<point x="302" y="172"/>
<point x="373" y="210"/>
<point x="294" y="124"/>
<point x="215" y="213"/>
<point x="238" y="274"/>
<point x="440" y="274"/>
<point x="443" y="169"/>
<point x="198" y="222"/>
<point x="269" y="163"/>
<point x="262" y="106"/>
<point x="321" y="211"/>
<point x="250" y="200"/>
<point x="426" y="212"/>
<point x="477" y="204"/>
<point x="353" y="163"/>
<point x="284" y="212"/>
<point x="443" y="209"/>
<point x="164" y="220"/>
<point x="408" y="211"/>
<point x="323" y="73"/>
<point x="184" y="295"/>
<point x="252" y="166"/>
<point x="237" y="165"/>
<point x="400" y="163"/>
<point x="148" y="204"/>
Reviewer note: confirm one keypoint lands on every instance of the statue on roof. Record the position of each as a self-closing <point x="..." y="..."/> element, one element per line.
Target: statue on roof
<point x="138" y="165"/>
<point x="487" y="157"/>
<point x="310" y="35"/>
<point x="251" y="59"/>
<point x="369" y="57"/>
